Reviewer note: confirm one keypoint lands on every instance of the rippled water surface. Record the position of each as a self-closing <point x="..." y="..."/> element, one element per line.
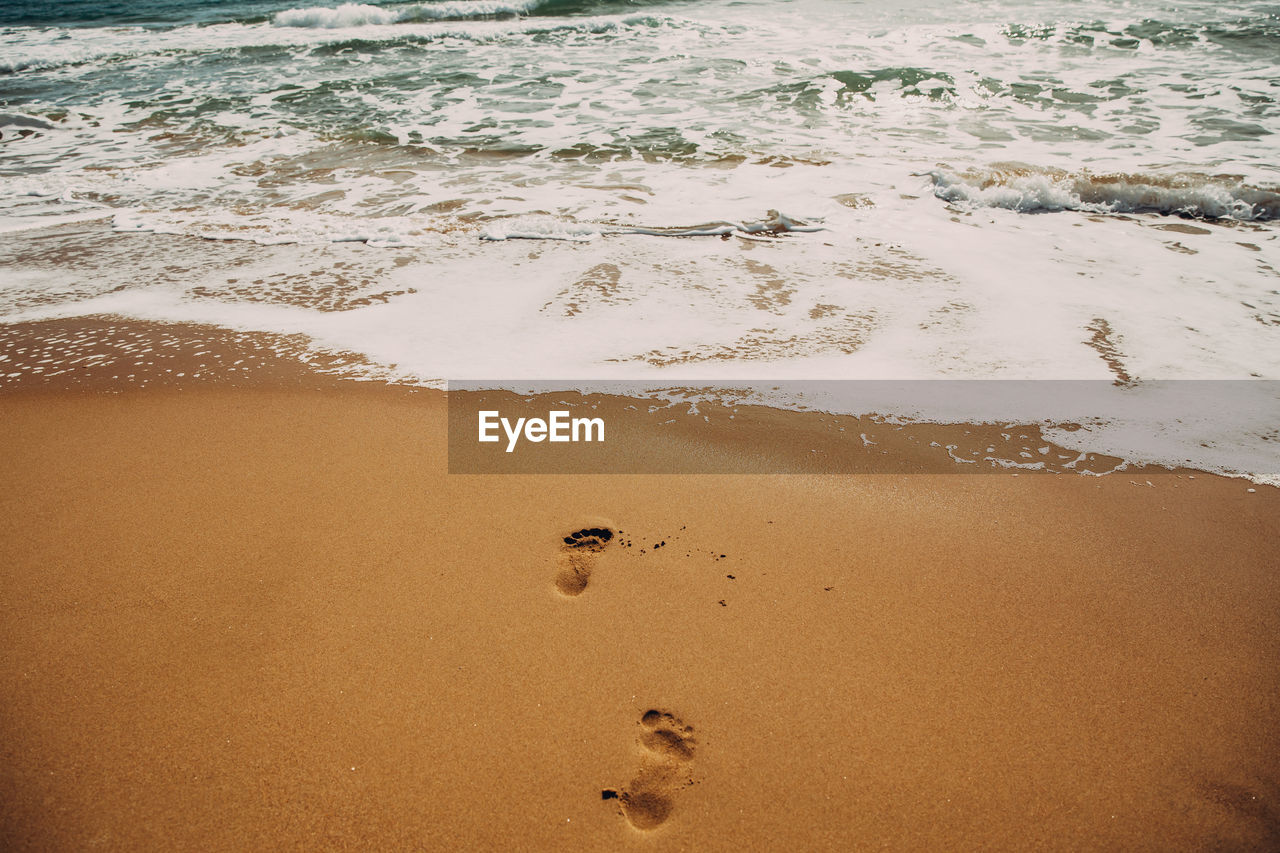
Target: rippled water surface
<point x="429" y="115"/>
<point x="812" y="188"/>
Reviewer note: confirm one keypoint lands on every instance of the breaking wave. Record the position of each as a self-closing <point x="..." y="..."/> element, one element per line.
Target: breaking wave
<point x="1028" y="189"/>
<point x="775" y="224"/>
<point x="363" y="14"/>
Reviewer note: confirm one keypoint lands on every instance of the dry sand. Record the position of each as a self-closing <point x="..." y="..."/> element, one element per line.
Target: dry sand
<point x="267" y="618"/>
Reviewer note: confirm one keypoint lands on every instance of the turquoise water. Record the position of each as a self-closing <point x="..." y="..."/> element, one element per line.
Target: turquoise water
<point x="567" y="84"/>
<point x="92" y="13"/>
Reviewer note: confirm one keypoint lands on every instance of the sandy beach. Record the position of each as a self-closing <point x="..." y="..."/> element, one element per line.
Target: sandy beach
<point x="927" y="354"/>
<point x="268" y="618"/>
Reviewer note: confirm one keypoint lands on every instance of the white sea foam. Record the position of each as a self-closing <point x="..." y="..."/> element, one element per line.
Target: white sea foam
<point x="391" y="139"/>
<point x="12" y="225"/>
<point x="1031" y="190"/>
<point x="362" y="14"/>
<point x="33" y="49"/>
<point x="538" y="228"/>
<point x="549" y="228"/>
<point x="346" y="15"/>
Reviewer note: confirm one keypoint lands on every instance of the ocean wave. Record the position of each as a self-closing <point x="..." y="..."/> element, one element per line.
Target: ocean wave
<point x="1028" y="189"/>
<point x="362" y="14"/>
<point x="1248" y="35"/>
<point x="539" y="228"/>
<point x="20" y="124"/>
<point x="549" y="228"/>
<point x="315" y="228"/>
<point x="53" y="49"/>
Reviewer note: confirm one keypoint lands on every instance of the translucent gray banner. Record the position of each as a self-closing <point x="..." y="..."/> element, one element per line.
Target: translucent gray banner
<point x="864" y="426"/>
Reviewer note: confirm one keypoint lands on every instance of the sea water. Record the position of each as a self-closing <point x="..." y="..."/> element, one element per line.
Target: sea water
<point x="719" y="189"/>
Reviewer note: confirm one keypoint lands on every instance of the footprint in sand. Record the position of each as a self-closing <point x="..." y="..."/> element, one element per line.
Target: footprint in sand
<point x="668" y="745"/>
<point x="578" y="558"/>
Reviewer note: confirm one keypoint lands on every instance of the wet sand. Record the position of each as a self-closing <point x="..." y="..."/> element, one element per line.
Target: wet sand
<point x="267" y="618"/>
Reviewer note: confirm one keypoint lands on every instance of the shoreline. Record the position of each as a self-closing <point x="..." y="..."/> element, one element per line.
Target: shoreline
<point x="105" y="354"/>
<point x="220" y="601"/>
